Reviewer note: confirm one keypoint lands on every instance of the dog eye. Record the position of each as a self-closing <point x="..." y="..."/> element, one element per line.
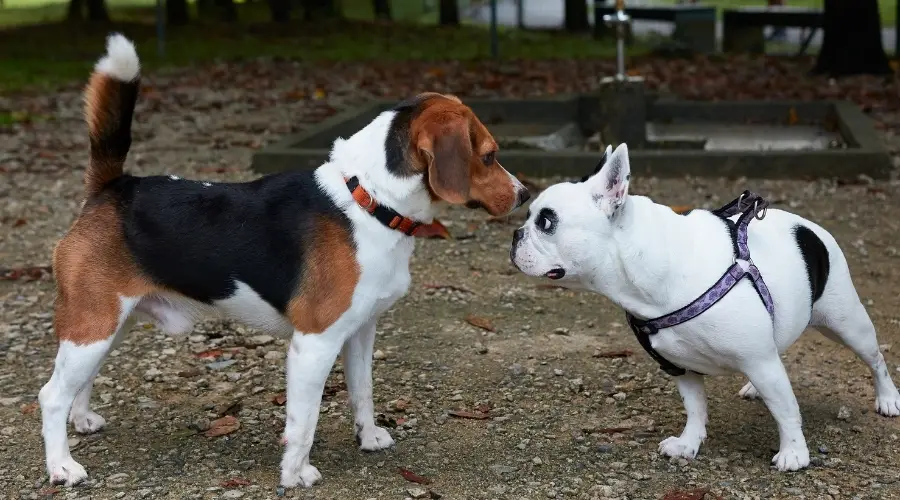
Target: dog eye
<point x="488" y="159"/>
<point x="546" y="221"/>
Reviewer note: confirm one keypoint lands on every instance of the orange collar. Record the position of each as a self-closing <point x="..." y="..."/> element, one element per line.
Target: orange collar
<point x="385" y="215"/>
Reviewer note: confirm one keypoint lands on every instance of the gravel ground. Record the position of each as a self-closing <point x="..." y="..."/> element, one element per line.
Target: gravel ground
<point x="566" y="403"/>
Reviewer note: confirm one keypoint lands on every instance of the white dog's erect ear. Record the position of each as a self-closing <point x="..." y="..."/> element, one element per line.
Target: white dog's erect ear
<point x="610" y="186"/>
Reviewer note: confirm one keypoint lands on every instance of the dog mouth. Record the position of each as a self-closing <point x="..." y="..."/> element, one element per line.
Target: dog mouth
<point x="555" y="273"/>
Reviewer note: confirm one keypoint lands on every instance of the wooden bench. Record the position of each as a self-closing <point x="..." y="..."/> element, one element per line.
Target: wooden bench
<point x="742" y="28"/>
<point x="695" y="25"/>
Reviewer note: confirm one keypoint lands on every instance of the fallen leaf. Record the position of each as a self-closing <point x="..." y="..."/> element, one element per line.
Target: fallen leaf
<point x="210" y="354"/>
<point x="434" y="230"/>
<point x="223" y="426"/>
<point x="680" y="209"/>
<point x="333" y="388"/>
<point x="29" y="408"/>
<point x="19" y="223"/>
<point x="480" y="322"/>
<point x="46" y="492"/>
<point x="235" y="482"/>
<point x="280" y="399"/>
<point x="31" y="273"/>
<point x="792" y="116"/>
<point x="319" y="94"/>
<point x="468" y="414"/>
<point x="412" y="476"/>
<point x="623" y="353"/>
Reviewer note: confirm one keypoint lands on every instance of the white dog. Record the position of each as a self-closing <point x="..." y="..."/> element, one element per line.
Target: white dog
<point x="667" y="269"/>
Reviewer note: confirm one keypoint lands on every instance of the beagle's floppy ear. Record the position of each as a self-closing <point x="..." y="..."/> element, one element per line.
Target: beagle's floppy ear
<point x="447" y="152"/>
<point x="600" y="164"/>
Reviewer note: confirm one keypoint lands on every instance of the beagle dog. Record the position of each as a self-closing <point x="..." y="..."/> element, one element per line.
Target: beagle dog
<point x="316" y="255"/>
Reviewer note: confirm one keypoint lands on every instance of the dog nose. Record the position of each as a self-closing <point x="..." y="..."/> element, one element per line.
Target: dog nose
<point x="523" y="196"/>
<point x="518" y="235"/>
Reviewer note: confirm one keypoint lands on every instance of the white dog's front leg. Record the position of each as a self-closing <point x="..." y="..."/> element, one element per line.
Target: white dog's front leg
<point x="690" y="386"/>
<point x="357" y="357"/>
<point x="309" y="361"/>
<point x="771" y="381"/>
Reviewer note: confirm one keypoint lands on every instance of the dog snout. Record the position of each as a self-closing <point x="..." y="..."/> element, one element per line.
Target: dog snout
<point x="518" y="235"/>
<point x="522" y="197"/>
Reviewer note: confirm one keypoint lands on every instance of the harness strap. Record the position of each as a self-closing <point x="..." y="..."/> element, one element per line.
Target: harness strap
<point x="751" y="206"/>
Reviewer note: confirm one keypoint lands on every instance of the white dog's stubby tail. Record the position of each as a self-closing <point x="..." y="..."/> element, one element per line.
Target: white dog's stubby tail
<point x="109" y="101"/>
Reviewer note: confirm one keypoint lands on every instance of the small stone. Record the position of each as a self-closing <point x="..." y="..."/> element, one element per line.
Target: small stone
<point x="843" y="413"/>
<point x="279" y="491"/>
<point x="456" y="397"/>
<point x="537" y="461"/>
<point x="233" y="494"/>
<point x="516" y="369"/>
<point x="258" y="340"/>
<point x="605" y="448"/>
<point x="379" y="354"/>
<point x="219" y="365"/>
<point x="74" y="442"/>
<point x="618" y="465"/>
<point x="201" y="424"/>
<point x="197" y="338"/>
<point x="120" y="494"/>
<point x="502" y="469"/>
<point x="560" y="331"/>
<point x="558" y="372"/>
<point x="551" y="493"/>
<point x="417" y="492"/>
<point x="620" y="396"/>
<point x="152" y="374"/>
<point x="271" y="355"/>
<point x="823" y="449"/>
<point x="117" y="478"/>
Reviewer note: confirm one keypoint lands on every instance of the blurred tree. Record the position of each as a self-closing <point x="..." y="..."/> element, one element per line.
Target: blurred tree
<point x="280" y="10"/>
<point x="576" y="16"/>
<point x="852" y="42"/>
<point x="382" y="9"/>
<point x="314" y="10"/>
<point x="96" y="10"/>
<point x="177" y="12"/>
<point x="225" y="10"/>
<point x="449" y="13"/>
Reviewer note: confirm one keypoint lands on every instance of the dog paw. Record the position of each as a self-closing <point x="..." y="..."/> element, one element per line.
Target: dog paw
<point x="791" y="459"/>
<point x="678" y="447"/>
<point x="67" y="473"/>
<point x="749" y="392"/>
<point x="889" y="406"/>
<point x="305" y="476"/>
<point x="374" y="438"/>
<point x="87" y="423"/>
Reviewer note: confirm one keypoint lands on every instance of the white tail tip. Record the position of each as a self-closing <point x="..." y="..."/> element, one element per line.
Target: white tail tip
<point x="121" y="60"/>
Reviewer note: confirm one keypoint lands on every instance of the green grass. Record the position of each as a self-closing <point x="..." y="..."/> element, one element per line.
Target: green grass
<point x="888" y="8"/>
<point x="36" y="57"/>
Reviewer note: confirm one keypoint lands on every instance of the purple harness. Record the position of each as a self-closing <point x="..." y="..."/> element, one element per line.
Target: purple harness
<point x="750" y="205"/>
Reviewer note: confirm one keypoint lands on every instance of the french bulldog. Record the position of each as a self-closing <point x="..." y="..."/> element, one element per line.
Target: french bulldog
<point x="782" y="274"/>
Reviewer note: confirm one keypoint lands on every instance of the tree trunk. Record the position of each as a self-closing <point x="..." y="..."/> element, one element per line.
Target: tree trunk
<point x="315" y="10"/>
<point x="449" y="13"/>
<point x="576" y="16"/>
<point x="852" y="41"/>
<point x="281" y="10"/>
<point x="177" y="12"/>
<point x="97" y="11"/>
<point x="225" y="10"/>
<point x="75" y="12"/>
<point x="382" y="9"/>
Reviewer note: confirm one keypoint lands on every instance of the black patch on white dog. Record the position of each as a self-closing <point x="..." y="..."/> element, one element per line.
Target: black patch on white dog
<point x="545" y="216"/>
<point x="596" y="169"/>
<point x="396" y="145"/>
<point x="815" y="255"/>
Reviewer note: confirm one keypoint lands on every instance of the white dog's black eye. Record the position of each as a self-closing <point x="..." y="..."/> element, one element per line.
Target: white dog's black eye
<point x="546" y="221"/>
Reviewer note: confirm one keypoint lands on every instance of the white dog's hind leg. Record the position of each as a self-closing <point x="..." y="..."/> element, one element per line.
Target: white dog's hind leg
<point x="748" y="391"/>
<point x="771" y="381"/>
<point x="357" y="355"/>
<point x="852" y="327"/>
<point x="690" y="386"/>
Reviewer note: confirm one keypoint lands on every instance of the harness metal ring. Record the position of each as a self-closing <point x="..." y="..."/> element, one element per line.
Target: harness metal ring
<point x="760" y="214"/>
<point x="370" y="203"/>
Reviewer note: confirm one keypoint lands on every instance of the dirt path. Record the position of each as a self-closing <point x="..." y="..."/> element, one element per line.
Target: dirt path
<point x="564" y="420"/>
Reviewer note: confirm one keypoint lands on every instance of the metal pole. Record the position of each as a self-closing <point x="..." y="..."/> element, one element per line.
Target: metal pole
<point x="161" y="28"/>
<point x="520" y="13"/>
<point x="495" y="49"/>
<point x="619" y="21"/>
<point x="897" y="33"/>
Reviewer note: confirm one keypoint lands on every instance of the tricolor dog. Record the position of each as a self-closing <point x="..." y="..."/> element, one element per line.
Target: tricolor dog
<point x="317" y="255"/>
<point x="706" y="293"/>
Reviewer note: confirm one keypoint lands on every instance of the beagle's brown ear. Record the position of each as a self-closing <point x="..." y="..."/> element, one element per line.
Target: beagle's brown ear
<point x="447" y="154"/>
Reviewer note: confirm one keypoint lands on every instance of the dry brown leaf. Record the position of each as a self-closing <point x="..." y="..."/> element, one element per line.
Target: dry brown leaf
<point x="280" y="399"/>
<point x="235" y="482"/>
<point x="223" y="426"/>
<point x="478" y="321"/>
<point x="413" y="477"/>
<point x="680" y="209"/>
<point x="434" y="230"/>
<point x="468" y="414"/>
